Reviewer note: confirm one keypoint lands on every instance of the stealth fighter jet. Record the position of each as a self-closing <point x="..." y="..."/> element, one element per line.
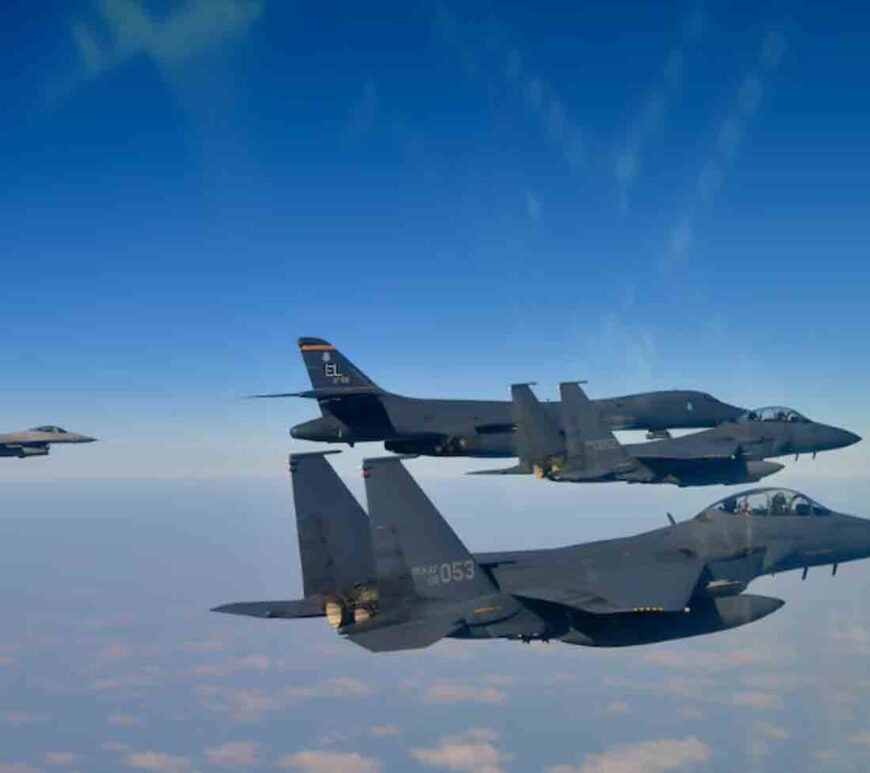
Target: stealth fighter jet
<point x="581" y="447"/>
<point x="399" y="578"/>
<point x="36" y="441"/>
<point x="354" y="409"/>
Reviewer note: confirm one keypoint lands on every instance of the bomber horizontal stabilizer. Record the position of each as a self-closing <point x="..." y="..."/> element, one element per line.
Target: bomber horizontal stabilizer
<point x="326" y="393"/>
<point x="310" y="607"/>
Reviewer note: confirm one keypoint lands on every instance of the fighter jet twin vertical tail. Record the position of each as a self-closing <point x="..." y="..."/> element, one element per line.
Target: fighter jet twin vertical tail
<point x="401" y="578"/>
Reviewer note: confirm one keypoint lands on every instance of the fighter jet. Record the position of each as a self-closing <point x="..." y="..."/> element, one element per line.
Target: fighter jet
<point x="399" y="578"/>
<point x="581" y="448"/>
<point x="355" y="409"/>
<point x="36" y="441"/>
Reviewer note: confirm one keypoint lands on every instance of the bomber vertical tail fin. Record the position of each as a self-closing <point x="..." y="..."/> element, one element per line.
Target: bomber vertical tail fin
<point x="332" y="372"/>
<point x="416" y="551"/>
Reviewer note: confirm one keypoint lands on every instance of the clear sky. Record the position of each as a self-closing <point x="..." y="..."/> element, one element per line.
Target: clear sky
<point x="459" y="196"/>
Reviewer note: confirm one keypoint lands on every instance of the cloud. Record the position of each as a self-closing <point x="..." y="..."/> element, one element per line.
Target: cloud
<point x="59" y="758"/>
<point x="653" y="110"/>
<point x="18" y="767"/>
<point x="320" y="761"/>
<point x="233" y="754"/>
<point x="501" y="68"/>
<point x="15" y="717"/>
<point x="249" y="703"/>
<point x="774" y="732"/>
<point x="159" y="762"/>
<point x="230" y="667"/>
<point x="861" y="739"/>
<point x="457" y="692"/>
<point x="533" y="207"/>
<point x="122" y="719"/>
<point x="758" y="700"/>
<point x="685" y="660"/>
<point x="382" y="731"/>
<point x="645" y="757"/>
<point x="728" y="136"/>
<point x="474" y="751"/>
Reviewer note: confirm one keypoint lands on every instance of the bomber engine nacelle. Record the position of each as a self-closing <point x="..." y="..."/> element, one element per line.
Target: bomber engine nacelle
<point x="465" y="444"/>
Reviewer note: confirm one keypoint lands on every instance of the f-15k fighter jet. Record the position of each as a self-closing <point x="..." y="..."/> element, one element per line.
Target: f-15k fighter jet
<point x="581" y="448"/>
<point x="37" y="441"/>
<point x="399" y="578"/>
<point x="354" y="409"/>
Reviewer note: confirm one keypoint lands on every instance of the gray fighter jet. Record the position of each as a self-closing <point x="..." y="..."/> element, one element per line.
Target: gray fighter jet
<point x="36" y="441"/>
<point x="581" y="447"/>
<point x="355" y="409"/>
<point x="399" y="578"/>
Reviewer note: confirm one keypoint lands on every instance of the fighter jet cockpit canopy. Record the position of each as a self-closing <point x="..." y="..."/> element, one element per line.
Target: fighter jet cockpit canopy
<point x="769" y="501"/>
<point x="51" y="429"/>
<point x="773" y="413"/>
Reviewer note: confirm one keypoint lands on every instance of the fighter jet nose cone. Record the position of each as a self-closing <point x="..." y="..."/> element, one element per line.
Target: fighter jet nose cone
<point x="852" y="438"/>
<point x="294" y="433"/>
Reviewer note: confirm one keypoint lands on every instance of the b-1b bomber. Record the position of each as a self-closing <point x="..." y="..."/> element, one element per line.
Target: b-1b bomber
<point x="356" y="410"/>
<point x="399" y="578"/>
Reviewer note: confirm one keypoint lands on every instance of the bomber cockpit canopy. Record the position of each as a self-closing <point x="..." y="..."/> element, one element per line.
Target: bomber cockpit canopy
<point x="773" y="413"/>
<point x="770" y="501"/>
<point x="50" y="428"/>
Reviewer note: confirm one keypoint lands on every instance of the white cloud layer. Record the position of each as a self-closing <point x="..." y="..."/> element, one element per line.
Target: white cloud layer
<point x="657" y="756"/>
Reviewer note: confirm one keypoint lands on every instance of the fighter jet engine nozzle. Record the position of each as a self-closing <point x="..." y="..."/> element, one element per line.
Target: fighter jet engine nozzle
<point x="32" y="451"/>
<point x="336" y="614"/>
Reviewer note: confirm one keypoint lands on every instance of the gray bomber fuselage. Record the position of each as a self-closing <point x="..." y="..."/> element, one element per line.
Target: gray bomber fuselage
<point x="484" y="428"/>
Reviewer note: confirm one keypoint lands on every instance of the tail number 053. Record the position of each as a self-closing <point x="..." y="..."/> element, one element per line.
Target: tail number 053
<point x="449" y="571"/>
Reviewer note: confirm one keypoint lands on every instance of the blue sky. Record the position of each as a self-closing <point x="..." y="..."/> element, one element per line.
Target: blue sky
<point x="459" y="197"/>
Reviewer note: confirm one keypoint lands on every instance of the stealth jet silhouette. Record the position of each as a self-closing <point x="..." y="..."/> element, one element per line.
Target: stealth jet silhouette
<point x="355" y="409"/>
<point x="36" y="441"/>
<point x="399" y="578"/>
<point x="581" y="447"/>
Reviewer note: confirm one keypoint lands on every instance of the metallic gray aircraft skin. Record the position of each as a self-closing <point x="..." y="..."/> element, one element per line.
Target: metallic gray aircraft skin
<point x="36" y="441"/>
<point x="354" y="409"/>
<point x="399" y="578"/>
<point x="580" y="447"/>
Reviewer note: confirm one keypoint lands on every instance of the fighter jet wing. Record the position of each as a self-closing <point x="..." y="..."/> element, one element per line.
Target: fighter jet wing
<point x="629" y="582"/>
<point x="700" y="446"/>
